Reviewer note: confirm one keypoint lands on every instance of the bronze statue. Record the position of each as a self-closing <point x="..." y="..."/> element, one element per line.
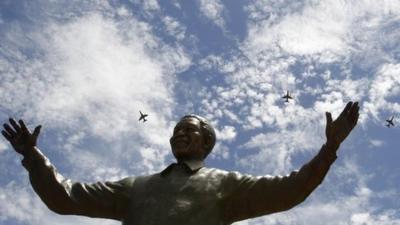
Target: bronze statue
<point x="185" y="192"/>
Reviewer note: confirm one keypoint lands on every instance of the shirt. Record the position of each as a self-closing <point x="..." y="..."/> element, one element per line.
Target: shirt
<point x="183" y="194"/>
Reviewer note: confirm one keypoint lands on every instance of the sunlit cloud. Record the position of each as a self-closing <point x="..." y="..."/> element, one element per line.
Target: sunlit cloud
<point x="213" y="11"/>
<point x="385" y="85"/>
<point x="3" y="145"/>
<point x="174" y="28"/>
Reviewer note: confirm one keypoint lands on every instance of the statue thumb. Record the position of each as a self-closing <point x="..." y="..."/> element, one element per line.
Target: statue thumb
<point x="36" y="132"/>
<point x="328" y="118"/>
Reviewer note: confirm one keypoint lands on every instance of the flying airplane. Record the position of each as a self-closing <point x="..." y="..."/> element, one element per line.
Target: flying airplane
<point x="287" y="96"/>
<point x="142" y="116"/>
<point x="390" y="122"/>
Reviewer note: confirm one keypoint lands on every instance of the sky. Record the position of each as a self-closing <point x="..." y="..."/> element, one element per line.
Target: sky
<point x="84" y="69"/>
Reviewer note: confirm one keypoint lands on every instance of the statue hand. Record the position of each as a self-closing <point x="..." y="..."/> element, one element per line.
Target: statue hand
<point x="339" y="129"/>
<point x="20" y="137"/>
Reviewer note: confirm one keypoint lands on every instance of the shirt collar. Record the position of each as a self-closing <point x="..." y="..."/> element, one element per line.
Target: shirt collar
<point x="192" y="166"/>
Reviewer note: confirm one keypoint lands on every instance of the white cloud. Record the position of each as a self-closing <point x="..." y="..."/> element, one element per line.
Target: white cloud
<point x="213" y="9"/>
<point x="3" y="145"/>
<point x="328" y="30"/>
<point x="350" y="89"/>
<point x="220" y="151"/>
<point x="360" y="218"/>
<point x="314" y="30"/>
<point x="85" y="78"/>
<point x="275" y="151"/>
<point x="177" y="4"/>
<point x="227" y="133"/>
<point x="85" y="81"/>
<point x="18" y="203"/>
<point x="91" y="69"/>
<point x="272" y="10"/>
<point x="385" y="84"/>
<point x="376" y="143"/>
<point x="123" y="11"/>
<point x="149" y="6"/>
<point x="323" y="38"/>
<point x="174" y="28"/>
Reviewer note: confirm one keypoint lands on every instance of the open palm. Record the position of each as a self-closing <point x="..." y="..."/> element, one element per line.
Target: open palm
<point x="19" y="136"/>
<point x="337" y="131"/>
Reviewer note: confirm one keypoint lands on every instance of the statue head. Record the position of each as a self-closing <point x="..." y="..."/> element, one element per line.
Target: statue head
<point x="193" y="138"/>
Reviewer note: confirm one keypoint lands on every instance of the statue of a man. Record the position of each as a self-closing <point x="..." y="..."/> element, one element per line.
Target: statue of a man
<point x="186" y="192"/>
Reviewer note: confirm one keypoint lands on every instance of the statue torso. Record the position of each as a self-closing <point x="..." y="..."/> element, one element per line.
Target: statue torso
<point x="177" y="197"/>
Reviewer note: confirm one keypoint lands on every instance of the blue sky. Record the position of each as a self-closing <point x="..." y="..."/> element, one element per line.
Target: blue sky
<point x="84" y="69"/>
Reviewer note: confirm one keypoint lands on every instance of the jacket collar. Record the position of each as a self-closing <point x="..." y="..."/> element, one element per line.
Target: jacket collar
<point x="191" y="166"/>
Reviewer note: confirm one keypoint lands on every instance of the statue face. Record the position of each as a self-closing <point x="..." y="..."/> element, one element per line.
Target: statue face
<point x="187" y="140"/>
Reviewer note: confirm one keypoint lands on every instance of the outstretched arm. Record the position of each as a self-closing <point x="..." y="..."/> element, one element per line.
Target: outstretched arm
<point x="102" y="199"/>
<point x="248" y="196"/>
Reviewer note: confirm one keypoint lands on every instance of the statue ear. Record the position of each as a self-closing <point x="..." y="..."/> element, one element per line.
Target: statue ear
<point x="207" y="141"/>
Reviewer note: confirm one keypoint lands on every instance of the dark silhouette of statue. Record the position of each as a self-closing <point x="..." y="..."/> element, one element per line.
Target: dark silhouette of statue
<point x="186" y="192"/>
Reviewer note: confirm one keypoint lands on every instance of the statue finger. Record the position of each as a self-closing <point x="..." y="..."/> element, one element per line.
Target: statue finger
<point x="354" y="109"/>
<point x="346" y="109"/>
<point x="15" y="125"/>
<point x="6" y="135"/>
<point x="36" y="132"/>
<point x="23" y="126"/>
<point x="9" y="130"/>
<point x="353" y="120"/>
<point x="352" y="113"/>
<point x="328" y="116"/>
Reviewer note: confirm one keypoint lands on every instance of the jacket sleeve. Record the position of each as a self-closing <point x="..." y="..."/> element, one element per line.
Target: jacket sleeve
<point x="61" y="195"/>
<point x="245" y="196"/>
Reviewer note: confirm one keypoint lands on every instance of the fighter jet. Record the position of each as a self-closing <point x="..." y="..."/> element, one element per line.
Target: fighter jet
<point x="142" y="116"/>
<point x="390" y="122"/>
<point x="287" y="96"/>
